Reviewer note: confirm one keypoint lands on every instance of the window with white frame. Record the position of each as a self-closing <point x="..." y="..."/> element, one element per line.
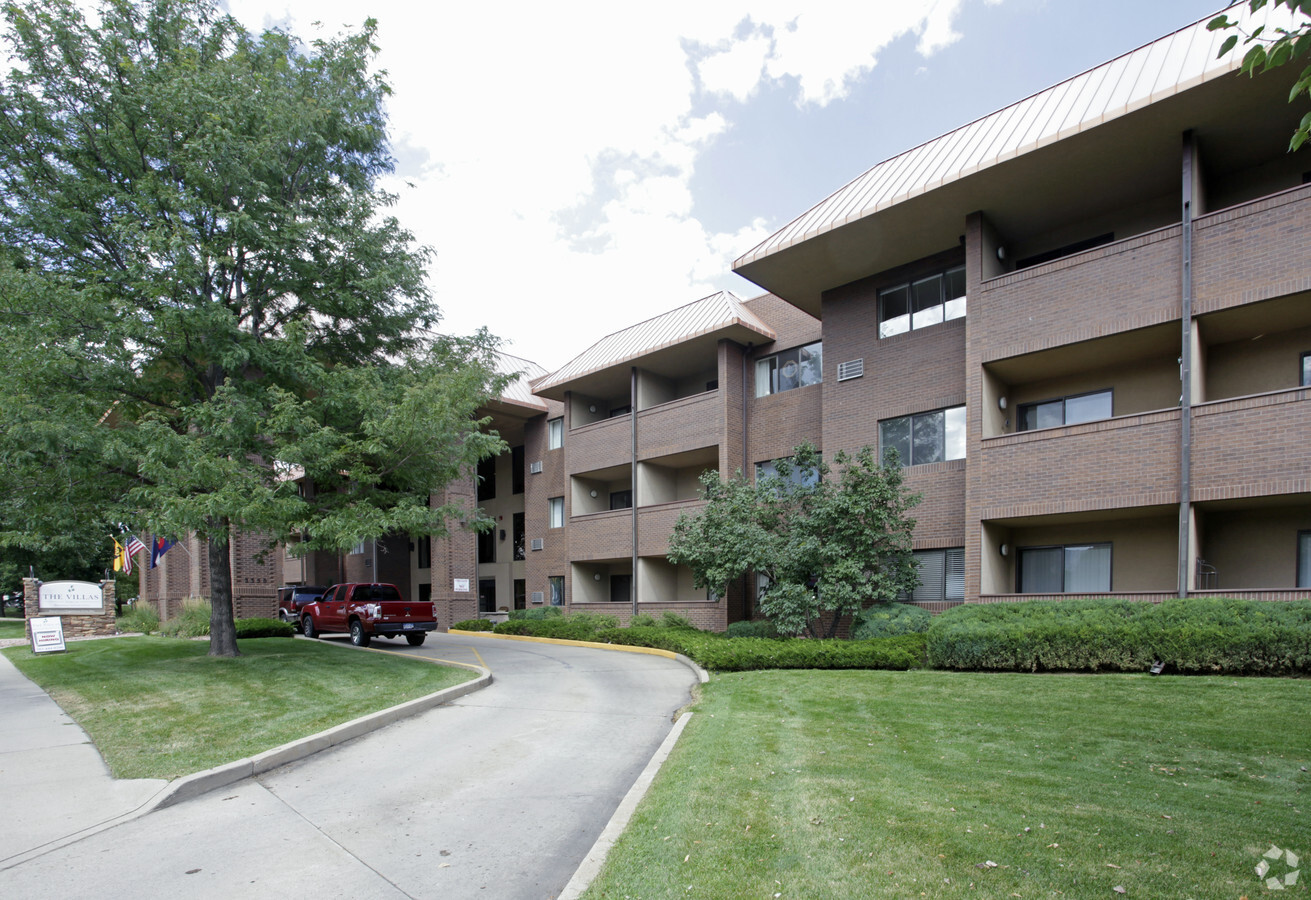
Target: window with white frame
<point x="557" y="512"/>
<point x="1065" y="569"/>
<point x="790" y="369"/>
<point x="557" y="589"/>
<point x="942" y="575"/>
<point x="1306" y="370"/>
<point x="926" y="301"/>
<point x="358" y="549"/>
<point x="923" y="438"/>
<point x="1059" y="411"/>
<point x="1304" y="559"/>
<point x="554" y="434"/>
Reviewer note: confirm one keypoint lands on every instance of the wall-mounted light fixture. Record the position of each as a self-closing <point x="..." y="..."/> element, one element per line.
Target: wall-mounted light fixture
<point x="592" y="493"/>
<point x="1001" y="402"/>
<point x="1004" y="549"/>
<point x="592" y="408"/>
<point x="1001" y="252"/>
<point x="596" y="576"/>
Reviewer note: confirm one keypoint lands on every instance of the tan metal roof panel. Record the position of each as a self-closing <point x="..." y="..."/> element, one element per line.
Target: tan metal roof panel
<point x="720" y="312"/>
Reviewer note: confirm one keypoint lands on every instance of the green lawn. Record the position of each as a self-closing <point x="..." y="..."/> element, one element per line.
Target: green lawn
<point x="914" y="784"/>
<point x="159" y="707"/>
<point x="12" y="628"/>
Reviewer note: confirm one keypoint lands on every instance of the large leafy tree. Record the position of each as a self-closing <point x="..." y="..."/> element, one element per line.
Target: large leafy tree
<point x="205" y="301"/>
<point x="1278" y="46"/>
<point x="830" y="541"/>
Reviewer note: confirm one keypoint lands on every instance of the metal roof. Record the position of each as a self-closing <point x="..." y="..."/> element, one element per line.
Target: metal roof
<point x="519" y="391"/>
<point x="719" y="315"/>
<point x="1151" y="73"/>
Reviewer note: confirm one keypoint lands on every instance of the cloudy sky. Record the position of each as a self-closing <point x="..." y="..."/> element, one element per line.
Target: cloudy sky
<point x="579" y="167"/>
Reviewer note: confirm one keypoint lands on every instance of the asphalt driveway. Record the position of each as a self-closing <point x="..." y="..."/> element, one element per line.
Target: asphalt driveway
<point x="499" y="794"/>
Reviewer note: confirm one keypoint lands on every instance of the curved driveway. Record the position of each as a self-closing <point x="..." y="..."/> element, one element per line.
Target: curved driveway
<point x="499" y="794"/>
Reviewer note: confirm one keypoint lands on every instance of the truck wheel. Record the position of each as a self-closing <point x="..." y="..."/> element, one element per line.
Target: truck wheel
<point x="307" y="627"/>
<point x="416" y="639"/>
<point x="358" y="637"/>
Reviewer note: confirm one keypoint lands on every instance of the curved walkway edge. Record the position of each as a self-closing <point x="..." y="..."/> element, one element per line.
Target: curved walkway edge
<point x="701" y="674"/>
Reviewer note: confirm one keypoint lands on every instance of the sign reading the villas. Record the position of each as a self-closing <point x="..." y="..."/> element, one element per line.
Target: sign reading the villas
<point x="71" y="595"/>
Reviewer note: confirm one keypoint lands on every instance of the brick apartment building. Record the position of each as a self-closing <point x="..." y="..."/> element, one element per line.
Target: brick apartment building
<point x="1083" y="320"/>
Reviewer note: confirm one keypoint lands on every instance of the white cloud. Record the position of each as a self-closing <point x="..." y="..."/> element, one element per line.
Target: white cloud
<point x="552" y="147"/>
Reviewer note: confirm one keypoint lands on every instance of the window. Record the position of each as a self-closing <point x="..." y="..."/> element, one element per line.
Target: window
<point x="925" y="437"/>
<point x="516" y="470"/>
<point x="620" y="411"/>
<point x="554" y="434"/>
<point x="942" y="574"/>
<point x="1064" y="411"/>
<point x="358" y="549"/>
<point x="424" y="547"/>
<point x="1070" y="569"/>
<point x="1306" y="370"/>
<point x="1304" y="559"/>
<point x="621" y="499"/>
<point x="487" y="595"/>
<point x="557" y="512"/>
<point x="919" y="304"/>
<point x="487" y="478"/>
<point x="796" y="476"/>
<point x="487" y="546"/>
<point x="557" y="589"/>
<point x="790" y="369"/>
<point x="518" y="536"/>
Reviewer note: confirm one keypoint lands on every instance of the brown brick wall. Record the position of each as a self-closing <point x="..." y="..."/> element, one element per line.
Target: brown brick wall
<point x="538" y="489"/>
<point x="687" y="424"/>
<point x="776" y="424"/>
<point x="603" y="535"/>
<point x="1122" y="286"/>
<point x="656" y="523"/>
<point x="792" y="327"/>
<point x="1252" y="447"/>
<point x="1125" y="462"/>
<point x="940" y="516"/>
<point x="1252" y="252"/>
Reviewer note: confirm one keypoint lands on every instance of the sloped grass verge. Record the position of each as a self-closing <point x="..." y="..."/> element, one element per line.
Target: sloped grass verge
<point x="911" y="784"/>
<point x="162" y="708"/>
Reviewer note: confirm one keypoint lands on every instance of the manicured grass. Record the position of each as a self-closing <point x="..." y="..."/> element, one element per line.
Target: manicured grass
<point x="846" y="784"/>
<point x="159" y="707"/>
<point x="12" y="628"/>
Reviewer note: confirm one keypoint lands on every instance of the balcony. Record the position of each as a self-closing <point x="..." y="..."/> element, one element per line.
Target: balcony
<point x="680" y="425"/>
<point x="1119" y="462"/>
<point x="1253" y="251"/>
<point x="1252" y="446"/>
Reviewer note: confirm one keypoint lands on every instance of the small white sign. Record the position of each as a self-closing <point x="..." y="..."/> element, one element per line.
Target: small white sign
<point x="461" y="586"/>
<point x="47" y="634"/>
<point x="71" y="595"/>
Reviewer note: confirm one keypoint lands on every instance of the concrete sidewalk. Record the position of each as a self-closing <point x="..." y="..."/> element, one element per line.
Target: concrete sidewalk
<point x="57" y="788"/>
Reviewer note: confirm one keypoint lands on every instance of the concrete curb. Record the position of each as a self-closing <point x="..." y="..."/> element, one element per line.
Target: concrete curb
<point x="702" y="675"/>
<point x="595" y="859"/>
<point x="190" y="786"/>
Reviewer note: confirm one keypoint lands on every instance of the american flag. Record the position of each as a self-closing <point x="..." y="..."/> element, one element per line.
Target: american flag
<point x="134" y="546"/>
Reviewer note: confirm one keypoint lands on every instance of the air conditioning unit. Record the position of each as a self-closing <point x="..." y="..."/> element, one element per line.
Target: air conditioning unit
<point x="854" y="368"/>
<point x="538" y="544"/>
<point x="535" y="468"/>
<point x="539" y="597"/>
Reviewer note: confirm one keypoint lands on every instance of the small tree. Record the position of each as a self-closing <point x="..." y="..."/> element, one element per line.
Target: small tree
<point x="829" y="546"/>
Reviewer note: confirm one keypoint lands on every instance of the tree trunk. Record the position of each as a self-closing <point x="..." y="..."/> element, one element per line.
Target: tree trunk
<point x="222" y="628"/>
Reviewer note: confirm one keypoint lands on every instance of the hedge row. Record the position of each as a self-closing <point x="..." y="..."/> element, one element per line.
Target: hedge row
<point x="473" y="625"/>
<point x="721" y="654"/>
<point x="260" y="628"/>
<point x="1193" y="635"/>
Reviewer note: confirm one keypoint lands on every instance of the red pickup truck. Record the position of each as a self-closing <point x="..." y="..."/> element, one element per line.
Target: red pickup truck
<point x="367" y="611"/>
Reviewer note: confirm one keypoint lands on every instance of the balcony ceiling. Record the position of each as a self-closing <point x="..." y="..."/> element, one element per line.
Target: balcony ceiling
<point x="1105" y="140"/>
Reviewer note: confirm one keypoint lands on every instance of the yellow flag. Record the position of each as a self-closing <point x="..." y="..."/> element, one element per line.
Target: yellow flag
<point x="120" y="556"/>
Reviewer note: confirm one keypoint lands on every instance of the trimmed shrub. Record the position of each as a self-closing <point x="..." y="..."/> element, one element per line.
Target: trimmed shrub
<point x="761" y="628"/>
<point x="674" y="620"/>
<point x="536" y="613"/>
<point x="642" y="620"/>
<point x="579" y="626"/>
<point x="888" y="620"/>
<point x="262" y="628"/>
<point x="1193" y="635"/>
<point x="721" y="654"/>
<point x="474" y="625"/>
